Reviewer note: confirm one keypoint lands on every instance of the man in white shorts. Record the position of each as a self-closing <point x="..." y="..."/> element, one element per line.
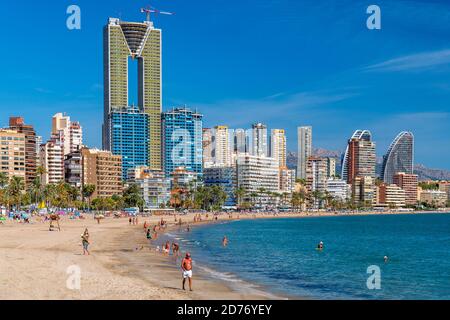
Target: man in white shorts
<point x="186" y="266"/>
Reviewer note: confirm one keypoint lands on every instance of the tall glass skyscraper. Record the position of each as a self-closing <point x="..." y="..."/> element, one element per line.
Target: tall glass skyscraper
<point x="182" y="137"/>
<point x="142" y="42"/>
<point x="399" y="158"/>
<point x="130" y="137"/>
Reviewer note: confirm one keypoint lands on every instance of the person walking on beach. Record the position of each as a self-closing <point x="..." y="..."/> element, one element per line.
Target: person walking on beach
<point x="175" y="249"/>
<point x="186" y="266"/>
<point x="85" y="242"/>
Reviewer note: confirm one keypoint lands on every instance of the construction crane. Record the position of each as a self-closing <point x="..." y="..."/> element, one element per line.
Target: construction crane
<point x="150" y="10"/>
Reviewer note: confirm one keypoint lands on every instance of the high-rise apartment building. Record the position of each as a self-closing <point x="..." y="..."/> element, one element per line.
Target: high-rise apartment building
<point x="287" y="180"/>
<point x="399" y="158"/>
<point x="255" y="174"/>
<point x="102" y="169"/>
<point x="339" y="189"/>
<point x="130" y="137"/>
<point x="316" y="176"/>
<point x="154" y="186"/>
<point x="224" y="177"/>
<point x="182" y="136"/>
<point x="259" y="137"/>
<point x="391" y="195"/>
<point x="363" y="191"/>
<point x="409" y="183"/>
<point x="208" y="147"/>
<point x="73" y="169"/>
<point x="52" y="159"/>
<point x="360" y="158"/>
<point x="278" y="146"/>
<point x="357" y="135"/>
<point x="18" y="124"/>
<point x="331" y="167"/>
<point x="240" y="141"/>
<point x="12" y="153"/>
<point x="222" y="146"/>
<point x="66" y="133"/>
<point x="141" y="42"/>
<point x="304" y="150"/>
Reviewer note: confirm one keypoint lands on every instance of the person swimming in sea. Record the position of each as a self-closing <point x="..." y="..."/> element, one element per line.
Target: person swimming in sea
<point x="386" y="259"/>
<point x="320" y="246"/>
<point x="225" y="241"/>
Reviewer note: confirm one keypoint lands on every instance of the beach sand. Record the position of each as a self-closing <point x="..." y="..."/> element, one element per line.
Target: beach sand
<point x="34" y="264"/>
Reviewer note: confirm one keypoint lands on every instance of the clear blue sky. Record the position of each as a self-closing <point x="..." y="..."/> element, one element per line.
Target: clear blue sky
<point x="282" y="62"/>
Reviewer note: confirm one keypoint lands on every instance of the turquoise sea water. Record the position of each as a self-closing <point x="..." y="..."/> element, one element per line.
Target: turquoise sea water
<point x="280" y="255"/>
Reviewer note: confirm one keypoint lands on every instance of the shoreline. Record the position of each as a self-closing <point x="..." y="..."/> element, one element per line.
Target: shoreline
<point x="36" y="261"/>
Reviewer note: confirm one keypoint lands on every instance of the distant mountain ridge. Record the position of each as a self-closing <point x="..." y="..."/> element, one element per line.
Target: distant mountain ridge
<point x="421" y="170"/>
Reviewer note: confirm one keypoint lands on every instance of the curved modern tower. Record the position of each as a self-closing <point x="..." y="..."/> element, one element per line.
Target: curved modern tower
<point x="399" y="158"/>
<point x="360" y="135"/>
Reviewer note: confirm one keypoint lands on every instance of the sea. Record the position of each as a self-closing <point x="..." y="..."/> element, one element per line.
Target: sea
<point x="280" y="256"/>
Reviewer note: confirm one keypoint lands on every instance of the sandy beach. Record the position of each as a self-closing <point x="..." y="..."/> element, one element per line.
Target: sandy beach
<point x="34" y="263"/>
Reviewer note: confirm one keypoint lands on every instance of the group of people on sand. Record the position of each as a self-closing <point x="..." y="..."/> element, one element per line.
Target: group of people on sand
<point x="133" y="221"/>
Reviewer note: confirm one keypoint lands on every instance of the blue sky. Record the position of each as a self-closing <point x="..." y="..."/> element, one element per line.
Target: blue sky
<point x="286" y="63"/>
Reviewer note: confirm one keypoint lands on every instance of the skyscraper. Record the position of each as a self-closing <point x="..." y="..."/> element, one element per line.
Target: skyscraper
<point x="360" y="158"/>
<point x="359" y="135"/>
<point x="316" y="176"/>
<point x="240" y="141"/>
<point x="222" y="146"/>
<point x="260" y="148"/>
<point x="304" y="150"/>
<point x="278" y="146"/>
<point x="182" y="134"/>
<point x="208" y="147"/>
<point x="399" y="158"/>
<point x="17" y="124"/>
<point x="142" y="42"/>
<point x="130" y="137"/>
<point x="66" y="133"/>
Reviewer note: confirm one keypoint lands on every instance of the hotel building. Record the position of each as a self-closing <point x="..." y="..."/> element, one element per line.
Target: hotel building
<point x="18" y="124"/>
<point x="224" y="177"/>
<point x="409" y="183"/>
<point x="12" y="153"/>
<point x="52" y="159"/>
<point x="102" y="169"/>
<point x="154" y="186"/>
<point x="256" y="173"/>
<point x="391" y="196"/>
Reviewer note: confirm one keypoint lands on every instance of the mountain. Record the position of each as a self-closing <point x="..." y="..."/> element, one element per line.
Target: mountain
<point x="422" y="171"/>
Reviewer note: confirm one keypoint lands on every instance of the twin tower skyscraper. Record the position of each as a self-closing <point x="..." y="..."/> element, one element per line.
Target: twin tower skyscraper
<point x="133" y="131"/>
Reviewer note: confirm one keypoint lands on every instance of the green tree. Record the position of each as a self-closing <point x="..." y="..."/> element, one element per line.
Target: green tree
<point x="16" y="187"/>
<point x="87" y="191"/>
<point x="3" y="180"/>
<point x="240" y="194"/>
<point x="132" y="196"/>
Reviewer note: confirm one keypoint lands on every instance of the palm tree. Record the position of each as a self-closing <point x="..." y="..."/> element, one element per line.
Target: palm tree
<point x="87" y="191"/>
<point x="3" y="180"/>
<point x="15" y="188"/>
<point x="240" y="193"/>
